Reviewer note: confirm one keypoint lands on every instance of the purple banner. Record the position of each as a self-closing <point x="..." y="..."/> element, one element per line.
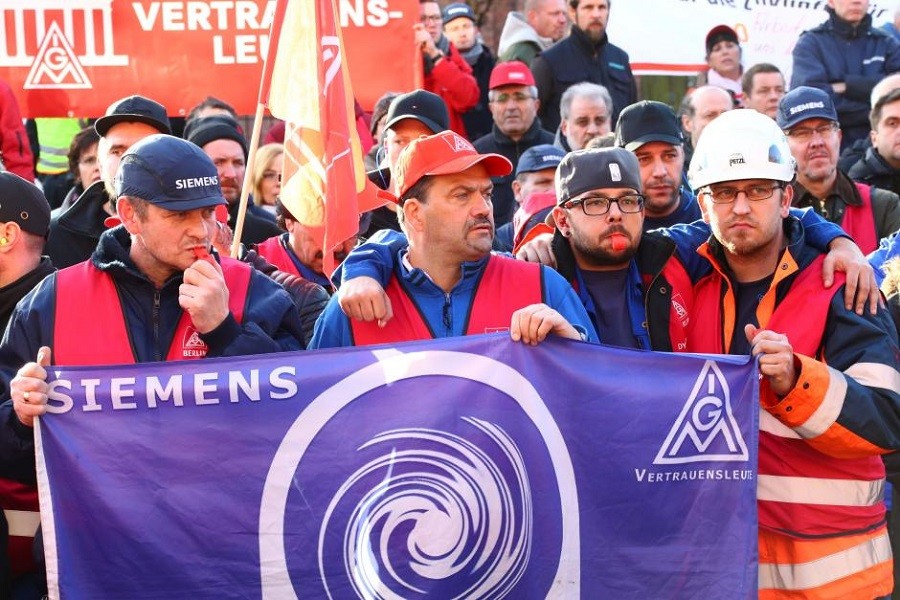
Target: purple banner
<point x="459" y="468"/>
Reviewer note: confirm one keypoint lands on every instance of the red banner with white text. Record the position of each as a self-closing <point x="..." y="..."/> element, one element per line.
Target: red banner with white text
<point x="75" y="57"/>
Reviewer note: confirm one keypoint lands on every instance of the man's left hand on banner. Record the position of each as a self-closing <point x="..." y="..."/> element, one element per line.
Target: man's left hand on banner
<point x="29" y="388"/>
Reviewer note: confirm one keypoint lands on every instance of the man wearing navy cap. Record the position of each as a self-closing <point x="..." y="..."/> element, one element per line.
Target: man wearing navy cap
<point x="531" y="188"/>
<point x="151" y="285"/>
<point x="143" y="296"/>
<point x="809" y="119"/>
<point x="75" y="231"/>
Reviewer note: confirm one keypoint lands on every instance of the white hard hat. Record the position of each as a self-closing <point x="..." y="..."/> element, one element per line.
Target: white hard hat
<point x="741" y="144"/>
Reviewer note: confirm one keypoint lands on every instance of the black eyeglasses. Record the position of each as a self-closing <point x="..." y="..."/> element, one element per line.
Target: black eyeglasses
<point x="754" y="193"/>
<point x="600" y="205"/>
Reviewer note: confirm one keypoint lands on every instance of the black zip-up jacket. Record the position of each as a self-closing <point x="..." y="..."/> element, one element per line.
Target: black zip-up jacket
<point x="873" y="170"/>
<point x="575" y="59"/>
<point x="498" y="142"/>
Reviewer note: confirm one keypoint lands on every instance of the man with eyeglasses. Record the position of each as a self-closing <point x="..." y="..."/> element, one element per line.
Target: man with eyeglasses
<point x="514" y="106"/>
<point x="602" y="250"/>
<point x="636" y="285"/>
<point x="808" y="118"/>
<point x="829" y="380"/>
<point x="446" y="282"/>
<point x="447" y="73"/>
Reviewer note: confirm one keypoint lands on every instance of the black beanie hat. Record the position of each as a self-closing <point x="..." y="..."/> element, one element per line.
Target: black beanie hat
<point x="216" y="127"/>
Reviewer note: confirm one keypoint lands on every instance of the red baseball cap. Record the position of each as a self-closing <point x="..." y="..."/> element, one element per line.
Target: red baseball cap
<point x="513" y="72"/>
<point x="444" y="153"/>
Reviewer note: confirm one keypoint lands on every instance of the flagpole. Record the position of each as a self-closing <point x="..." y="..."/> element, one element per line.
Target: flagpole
<point x="264" y="85"/>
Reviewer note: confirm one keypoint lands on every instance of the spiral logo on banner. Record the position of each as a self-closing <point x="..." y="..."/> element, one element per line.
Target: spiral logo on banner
<point x="418" y="500"/>
<point x="462" y="514"/>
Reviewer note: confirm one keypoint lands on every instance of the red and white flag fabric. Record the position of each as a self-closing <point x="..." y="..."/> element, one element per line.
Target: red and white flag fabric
<point x="306" y="83"/>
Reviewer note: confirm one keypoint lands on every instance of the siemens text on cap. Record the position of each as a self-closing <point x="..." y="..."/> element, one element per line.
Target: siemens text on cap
<point x="806" y="106"/>
<point x="195" y="182"/>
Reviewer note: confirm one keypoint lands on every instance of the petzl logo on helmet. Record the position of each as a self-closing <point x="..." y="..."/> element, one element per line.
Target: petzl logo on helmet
<point x="614" y="173"/>
<point x="736" y="159"/>
<point x="706" y="429"/>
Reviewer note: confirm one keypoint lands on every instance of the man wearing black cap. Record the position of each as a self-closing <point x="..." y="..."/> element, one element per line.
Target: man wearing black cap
<point x="409" y="116"/>
<point x="24" y="222"/>
<point x="810" y="121"/>
<point x="75" y="231"/>
<point x="650" y="130"/>
<point x="461" y="30"/>
<point x="222" y="141"/>
<point x="158" y="292"/>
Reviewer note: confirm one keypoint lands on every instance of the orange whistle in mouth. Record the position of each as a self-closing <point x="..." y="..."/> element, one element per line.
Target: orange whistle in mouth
<point x="618" y="242"/>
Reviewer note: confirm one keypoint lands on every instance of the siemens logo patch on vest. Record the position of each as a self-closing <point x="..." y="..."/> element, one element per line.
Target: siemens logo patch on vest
<point x="195" y="182"/>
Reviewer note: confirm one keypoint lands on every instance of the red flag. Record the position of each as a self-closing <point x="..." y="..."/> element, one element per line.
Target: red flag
<point x="306" y="83"/>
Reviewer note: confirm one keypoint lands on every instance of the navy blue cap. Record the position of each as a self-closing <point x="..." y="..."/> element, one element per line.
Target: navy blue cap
<point x="169" y="172"/>
<point x="134" y="109"/>
<point x="24" y="203"/>
<point x="804" y="103"/>
<point x="538" y="158"/>
<point x="457" y="10"/>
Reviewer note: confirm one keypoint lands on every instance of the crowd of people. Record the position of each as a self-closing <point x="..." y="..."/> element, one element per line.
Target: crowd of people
<point x="534" y="192"/>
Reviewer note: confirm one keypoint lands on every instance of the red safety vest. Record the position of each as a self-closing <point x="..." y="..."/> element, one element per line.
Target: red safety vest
<point x="83" y="290"/>
<point x="681" y="305"/>
<point x="506" y="285"/>
<point x="274" y="252"/>
<point x="859" y="221"/>
<point x="801" y="315"/>
<point x="107" y="341"/>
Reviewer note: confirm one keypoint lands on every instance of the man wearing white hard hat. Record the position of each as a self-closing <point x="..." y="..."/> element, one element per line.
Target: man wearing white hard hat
<point x="829" y="387"/>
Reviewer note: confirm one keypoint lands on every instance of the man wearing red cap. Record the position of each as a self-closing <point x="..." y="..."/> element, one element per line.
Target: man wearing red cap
<point x="514" y="106"/>
<point x="447" y="283"/>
